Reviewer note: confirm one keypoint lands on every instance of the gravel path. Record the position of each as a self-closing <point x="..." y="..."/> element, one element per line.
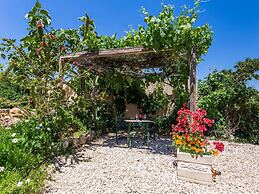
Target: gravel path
<point x="106" y="167"/>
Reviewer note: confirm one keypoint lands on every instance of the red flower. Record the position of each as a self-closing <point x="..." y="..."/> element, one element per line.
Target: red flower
<point x="199" y="123"/>
<point x="219" y="146"/>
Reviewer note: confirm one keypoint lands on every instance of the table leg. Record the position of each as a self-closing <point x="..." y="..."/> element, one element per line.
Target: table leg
<point x="129" y="137"/>
<point x="146" y="138"/>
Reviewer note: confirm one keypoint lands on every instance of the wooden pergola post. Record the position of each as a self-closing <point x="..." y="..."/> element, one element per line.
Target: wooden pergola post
<point x="60" y="70"/>
<point x="192" y="80"/>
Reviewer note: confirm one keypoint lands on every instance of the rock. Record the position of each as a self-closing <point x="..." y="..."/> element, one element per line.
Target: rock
<point x="6" y="118"/>
<point x="68" y="142"/>
<point x="92" y="133"/>
<point x="4" y="111"/>
<point x="18" y="115"/>
<point x="7" y="121"/>
<point x="14" y="121"/>
<point x="82" y="139"/>
<point x="12" y="116"/>
<point x="16" y="111"/>
<point x="65" y="144"/>
<point x="76" y="143"/>
<point x="88" y="137"/>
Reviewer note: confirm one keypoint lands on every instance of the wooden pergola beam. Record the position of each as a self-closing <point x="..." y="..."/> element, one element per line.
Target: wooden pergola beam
<point x="113" y="53"/>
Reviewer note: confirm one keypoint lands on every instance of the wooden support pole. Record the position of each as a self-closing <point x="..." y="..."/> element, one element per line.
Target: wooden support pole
<point x="82" y="82"/>
<point x="60" y="71"/>
<point x="94" y="105"/>
<point x="192" y="81"/>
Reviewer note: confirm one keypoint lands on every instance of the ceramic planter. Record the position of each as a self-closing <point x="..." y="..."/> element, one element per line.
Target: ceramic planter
<point x="197" y="170"/>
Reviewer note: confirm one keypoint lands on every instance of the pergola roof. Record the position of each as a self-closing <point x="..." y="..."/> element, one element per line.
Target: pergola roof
<point x="126" y="57"/>
<point x="135" y="58"/>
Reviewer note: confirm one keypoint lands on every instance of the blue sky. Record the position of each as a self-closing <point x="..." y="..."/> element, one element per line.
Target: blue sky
<point x="235" y="23"/>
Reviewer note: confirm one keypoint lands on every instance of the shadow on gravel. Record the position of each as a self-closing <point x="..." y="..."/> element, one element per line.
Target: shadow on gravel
<point x="69" y="160"/>
<point x="160" y="145"/>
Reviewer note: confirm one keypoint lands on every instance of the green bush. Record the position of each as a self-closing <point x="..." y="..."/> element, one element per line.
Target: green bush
<point x="25" y="150"/>
<point x="11" y="94"/>
<point x="32" y="182"/>
<point x="231" y="102"/>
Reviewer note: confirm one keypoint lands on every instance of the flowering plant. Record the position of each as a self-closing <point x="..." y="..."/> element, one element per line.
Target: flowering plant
<point x="188" y="134"/>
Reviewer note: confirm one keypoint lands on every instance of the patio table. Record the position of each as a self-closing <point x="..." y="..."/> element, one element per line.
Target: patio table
<point x="146" y="136"/>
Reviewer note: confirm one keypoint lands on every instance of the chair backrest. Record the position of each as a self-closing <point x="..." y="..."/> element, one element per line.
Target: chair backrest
<point x="131" y="111"/>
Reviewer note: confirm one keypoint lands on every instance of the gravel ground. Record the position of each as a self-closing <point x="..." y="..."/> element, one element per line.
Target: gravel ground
<point x="107" y="167"/>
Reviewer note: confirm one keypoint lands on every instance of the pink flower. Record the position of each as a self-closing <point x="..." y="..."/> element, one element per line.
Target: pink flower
<point x="199" y="123"/>
<point x="219" y="146"/>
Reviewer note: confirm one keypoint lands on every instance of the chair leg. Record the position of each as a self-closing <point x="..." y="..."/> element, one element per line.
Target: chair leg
<point x="147" y="134"/>
<point x="116" y="133"/>
<point x="154" y="131"/>
<point x="129" y="137"/>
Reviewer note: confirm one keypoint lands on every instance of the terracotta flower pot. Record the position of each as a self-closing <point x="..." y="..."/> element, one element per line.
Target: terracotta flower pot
<point x="197" y="170"/>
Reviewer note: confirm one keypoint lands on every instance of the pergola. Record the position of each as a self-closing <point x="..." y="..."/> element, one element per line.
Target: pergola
<point x="134" y="58"/>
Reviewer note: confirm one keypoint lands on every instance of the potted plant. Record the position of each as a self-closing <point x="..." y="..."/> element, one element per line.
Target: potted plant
<point x="195" y="154"/>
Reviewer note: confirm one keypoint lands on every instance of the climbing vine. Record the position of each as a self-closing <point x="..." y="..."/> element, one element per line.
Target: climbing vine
<point x="33" y="61"/>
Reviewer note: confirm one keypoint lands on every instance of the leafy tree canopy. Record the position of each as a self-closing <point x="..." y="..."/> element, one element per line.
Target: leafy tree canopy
<point x="228" y="99"/>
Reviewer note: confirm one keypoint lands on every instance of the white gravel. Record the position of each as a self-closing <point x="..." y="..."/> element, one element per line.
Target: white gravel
<point x="107" y="167"/>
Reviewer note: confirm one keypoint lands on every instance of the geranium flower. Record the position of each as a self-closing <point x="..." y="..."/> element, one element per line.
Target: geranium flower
<point x="219" y="146"/>
<point x="216" y="153"/>
<point x="188" y="133"/>
<point x="13" y="135"/>
<point x="177" y="142"/>
<point x="28" y="181"/>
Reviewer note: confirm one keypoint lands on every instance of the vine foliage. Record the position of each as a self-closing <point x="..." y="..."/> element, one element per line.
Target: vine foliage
<point x="33" y="61"/>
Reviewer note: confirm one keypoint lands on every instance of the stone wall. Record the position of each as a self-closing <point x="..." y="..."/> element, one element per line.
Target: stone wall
<point x="12" y="116"/>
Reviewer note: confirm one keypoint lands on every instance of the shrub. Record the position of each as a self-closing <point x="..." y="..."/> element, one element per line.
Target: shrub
<point x="25" y="150"/>
<point x="11" y="94"/>
<point x="231" y="102"/>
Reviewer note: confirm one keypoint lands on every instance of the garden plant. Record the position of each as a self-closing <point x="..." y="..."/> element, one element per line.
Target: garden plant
<point x="188" y="133"/>
<point x="30" y="81"/>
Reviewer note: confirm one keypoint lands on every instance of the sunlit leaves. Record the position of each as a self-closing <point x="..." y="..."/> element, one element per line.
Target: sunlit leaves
<point x="231" y="102"/>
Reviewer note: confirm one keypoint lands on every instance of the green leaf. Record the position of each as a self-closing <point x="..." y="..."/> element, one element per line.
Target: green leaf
<point x="117" y="87"/>
<point x="3" y="56"/>
<point x="45" y="13"/>
<point x="38" y="4"/>
<point x="27" y="39"/>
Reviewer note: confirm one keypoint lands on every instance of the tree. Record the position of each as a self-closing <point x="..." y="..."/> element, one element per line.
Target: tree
<point x="231" y="102"/>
